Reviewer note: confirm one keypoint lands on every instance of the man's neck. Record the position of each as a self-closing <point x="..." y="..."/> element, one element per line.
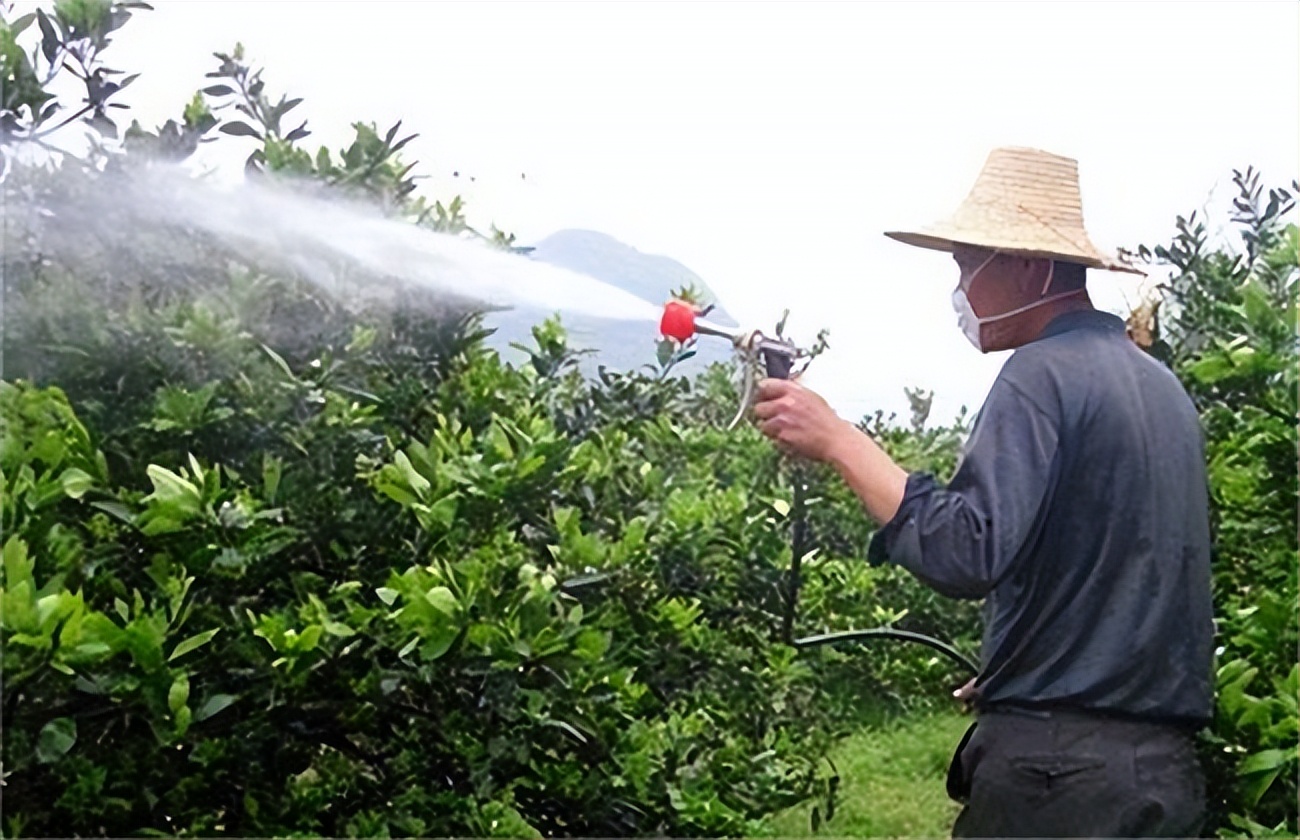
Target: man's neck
<point x="1048" y="313"/>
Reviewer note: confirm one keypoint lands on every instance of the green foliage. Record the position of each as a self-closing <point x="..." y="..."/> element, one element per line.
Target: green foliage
<point x="281" y="565"/>
<point x="385" y="603"/>
<point x="71" y="40"/>
<point x="1229" y="331"/>
<point x="278" y="565"/>
<point x="355" y="574"/>
<point x="370" y="166"/>
<point x="892" y="774"/>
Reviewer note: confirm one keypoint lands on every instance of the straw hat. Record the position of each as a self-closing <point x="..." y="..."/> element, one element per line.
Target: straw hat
<point x="1025" y="201"/>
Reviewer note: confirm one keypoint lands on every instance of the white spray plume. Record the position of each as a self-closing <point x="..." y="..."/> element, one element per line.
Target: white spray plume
<point x="314" y="232"/>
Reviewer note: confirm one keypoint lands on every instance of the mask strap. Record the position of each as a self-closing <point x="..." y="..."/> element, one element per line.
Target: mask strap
<point x="1051" y="266"/>
<point x="1030" y="306"/>
<point x="976" y="272"/>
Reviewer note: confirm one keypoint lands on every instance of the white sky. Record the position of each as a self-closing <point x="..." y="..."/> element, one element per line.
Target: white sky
<point x="767" y="145"/>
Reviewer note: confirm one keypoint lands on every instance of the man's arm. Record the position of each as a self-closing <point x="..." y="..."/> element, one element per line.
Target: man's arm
<point x="870" y="473"/>
<point x="963" y="538"/>
<point x="960" y="539"/>
<point x="801" y="421"/>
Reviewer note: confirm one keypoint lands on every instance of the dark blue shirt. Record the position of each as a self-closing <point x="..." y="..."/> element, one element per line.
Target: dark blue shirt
<point x="1079" y="512"/>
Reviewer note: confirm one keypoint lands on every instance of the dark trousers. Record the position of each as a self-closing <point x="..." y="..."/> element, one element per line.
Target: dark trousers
<point x="1067" y="774"/>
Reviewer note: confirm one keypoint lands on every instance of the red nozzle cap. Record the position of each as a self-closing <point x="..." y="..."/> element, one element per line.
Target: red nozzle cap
<point x="678" y="320"/>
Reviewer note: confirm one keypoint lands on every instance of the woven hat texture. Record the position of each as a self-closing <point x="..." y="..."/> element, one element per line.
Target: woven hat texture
<point x="1025" y="201"/>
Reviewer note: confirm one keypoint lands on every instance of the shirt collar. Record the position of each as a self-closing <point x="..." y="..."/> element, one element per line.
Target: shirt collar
<point x="1083" y="319"/>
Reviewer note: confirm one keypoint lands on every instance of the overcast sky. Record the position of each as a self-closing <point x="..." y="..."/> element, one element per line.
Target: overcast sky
<point x="767" y="145"/>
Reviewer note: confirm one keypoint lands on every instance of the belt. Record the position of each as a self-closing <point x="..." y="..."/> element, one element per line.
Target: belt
<point x="1062" y="711"/>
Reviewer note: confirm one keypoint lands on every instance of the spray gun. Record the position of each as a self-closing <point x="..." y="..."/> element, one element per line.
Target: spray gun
<point x="682" y="321"/>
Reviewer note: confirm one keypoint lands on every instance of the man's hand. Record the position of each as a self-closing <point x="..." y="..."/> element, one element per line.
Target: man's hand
<point x="799" y="420"/>
<point x="967" y="695"/>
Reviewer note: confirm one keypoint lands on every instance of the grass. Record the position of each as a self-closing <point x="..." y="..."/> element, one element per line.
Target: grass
<point x="891" y="782"/>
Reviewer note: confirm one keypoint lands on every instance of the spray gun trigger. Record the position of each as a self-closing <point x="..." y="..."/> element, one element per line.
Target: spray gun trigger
<point x="746" y="397"/>
<point x="778" y="355"/>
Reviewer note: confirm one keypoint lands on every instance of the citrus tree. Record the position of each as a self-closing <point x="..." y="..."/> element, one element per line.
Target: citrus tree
<point x="1226" y="323"/>
<point x="276" y="563"/>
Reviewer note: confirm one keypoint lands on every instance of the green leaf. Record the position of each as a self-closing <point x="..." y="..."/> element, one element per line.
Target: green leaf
<point x="117" y="510"/>
<point x="390" y="483"/>
<point x="179" y="693"/>
<point x="443" y="601"/>
<point x="1258" y="308"/>
<point x="88" y="651"/>
<point x="280" y="363"/>
<point x="144" y="637"/>
<point x="183" y="718"/>
<point x="172" y="492"/>
<point x="664" y="351"/>
<point x="239" y="129"/>
<point x="1255" y="785"/>
<point x="499" y="441"/>
<point x="213" y="705"/>
<point x="16" y="28"/>
<point x="338" y="628"/>
<point x="443" y="511"/>
<point x="76" y="482"/>
<point x="193" y="642"/>
<point x="18" y="567"/>
<point x="1211" y="368"/>
<point x="531" y="465"/>
<point x="418" y="483"/>
<point x="437" y="645"/>
<point x="591" y="644"/>
<point x="56" y="738"/>
<point x="52" y="606"/>
<point x="388" y="596"/>
<point x="566" y="521"/>
<point x="1266" y="761"/>
<point x="50" y="41"/>
<point x="272" y="469"/>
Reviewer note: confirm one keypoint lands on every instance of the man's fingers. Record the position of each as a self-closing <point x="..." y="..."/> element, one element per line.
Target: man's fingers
<point x="966" y="692"/>
<point x="772" y="430"/>
<point x="770" y="389"/>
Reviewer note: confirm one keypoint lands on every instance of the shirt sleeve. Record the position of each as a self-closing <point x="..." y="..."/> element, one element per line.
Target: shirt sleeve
<point x="960" y="540"/>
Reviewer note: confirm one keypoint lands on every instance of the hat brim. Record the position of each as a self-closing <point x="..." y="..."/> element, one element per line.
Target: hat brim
<point x="937" y="241"/>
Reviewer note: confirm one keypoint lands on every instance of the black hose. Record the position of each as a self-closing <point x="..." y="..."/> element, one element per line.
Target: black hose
<point x="576" y="584"/>
<point x="799" y="546"/>
<point x="889" y="633"/>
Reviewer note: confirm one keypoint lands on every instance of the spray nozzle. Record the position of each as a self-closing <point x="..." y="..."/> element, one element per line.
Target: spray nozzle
<point x="682" y="321"/>
<point x="678" y="320"/>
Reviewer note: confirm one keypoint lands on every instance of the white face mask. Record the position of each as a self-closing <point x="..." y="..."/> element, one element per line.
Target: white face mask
<point x="970" y="323"/>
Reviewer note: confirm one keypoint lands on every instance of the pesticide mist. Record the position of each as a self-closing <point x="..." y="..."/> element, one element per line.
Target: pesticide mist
<point x="347" y="248"/>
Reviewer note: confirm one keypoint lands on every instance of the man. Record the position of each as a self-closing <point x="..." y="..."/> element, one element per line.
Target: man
<point x="1078" y="513"/>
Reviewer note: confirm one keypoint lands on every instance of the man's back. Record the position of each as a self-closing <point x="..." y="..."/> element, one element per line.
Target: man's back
<point x="1106" y="604"/>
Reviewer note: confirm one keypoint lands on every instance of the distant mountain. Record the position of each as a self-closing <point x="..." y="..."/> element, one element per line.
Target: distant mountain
<point x="619" y="345"/>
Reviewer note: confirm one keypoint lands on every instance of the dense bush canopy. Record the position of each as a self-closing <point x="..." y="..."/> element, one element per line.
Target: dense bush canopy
<point x="280" y="563"/>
